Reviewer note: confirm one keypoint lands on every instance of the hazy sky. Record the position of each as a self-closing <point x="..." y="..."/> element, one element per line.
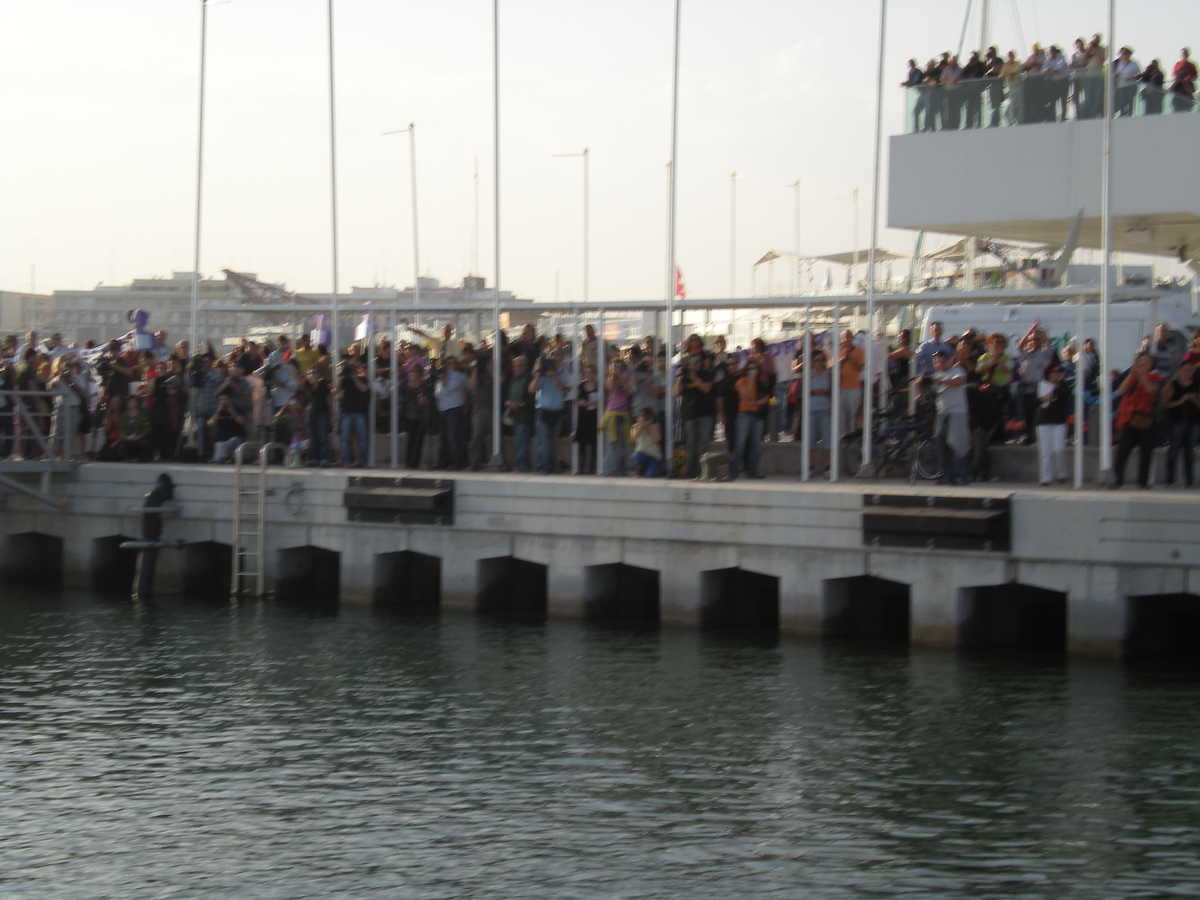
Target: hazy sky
<point x="99" y="116"/>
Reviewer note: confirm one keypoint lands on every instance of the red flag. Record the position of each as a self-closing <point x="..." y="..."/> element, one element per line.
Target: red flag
<point x="680" y="289"/>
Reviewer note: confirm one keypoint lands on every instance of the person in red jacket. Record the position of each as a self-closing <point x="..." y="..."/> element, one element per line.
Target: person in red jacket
<point x="1135" y="419"/>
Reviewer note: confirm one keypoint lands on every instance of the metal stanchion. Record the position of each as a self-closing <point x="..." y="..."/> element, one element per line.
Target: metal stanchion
<point x="602" y="373"/>
<point x="1080" y="412"/>
<point x="835" y="396"/>
<point x="805" y="398"/>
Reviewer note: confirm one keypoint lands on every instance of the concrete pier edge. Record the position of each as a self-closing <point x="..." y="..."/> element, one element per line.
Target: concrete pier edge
<point x="1102" y="551"/>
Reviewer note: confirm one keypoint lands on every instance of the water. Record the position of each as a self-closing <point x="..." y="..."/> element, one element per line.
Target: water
<point x="199" y="751"/>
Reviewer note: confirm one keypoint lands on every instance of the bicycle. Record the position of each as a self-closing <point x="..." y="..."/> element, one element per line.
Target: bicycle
<point x="901" y="444"/>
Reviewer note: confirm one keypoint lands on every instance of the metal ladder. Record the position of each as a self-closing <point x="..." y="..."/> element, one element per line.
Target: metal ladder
<point x="249" y="523"/>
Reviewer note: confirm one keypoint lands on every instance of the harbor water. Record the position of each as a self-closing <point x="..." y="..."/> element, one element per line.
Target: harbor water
<point x="178" y="749"/>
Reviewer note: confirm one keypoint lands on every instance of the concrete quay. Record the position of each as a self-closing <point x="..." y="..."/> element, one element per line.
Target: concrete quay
<point x="1093" y="573"/>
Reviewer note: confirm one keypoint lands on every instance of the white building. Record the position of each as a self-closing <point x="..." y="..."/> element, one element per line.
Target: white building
<point x="20" y="312"/>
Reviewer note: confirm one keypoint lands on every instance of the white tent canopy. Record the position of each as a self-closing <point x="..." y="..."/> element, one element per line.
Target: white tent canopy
<point x="860" y="257"/>
<point x="957" y="252"/>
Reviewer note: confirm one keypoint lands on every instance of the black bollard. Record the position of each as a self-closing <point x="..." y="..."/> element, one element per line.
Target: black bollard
<point x="408" y="583"/>
<point x="308" y="578"/>
<point x="113" y="568"/>
<point x="511" y="588"/>
<point x="207" y="569"/>
<point x="32" y="558"/>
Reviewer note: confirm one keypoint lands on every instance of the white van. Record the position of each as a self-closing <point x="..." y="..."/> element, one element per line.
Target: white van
<point x="1128" y="321"/>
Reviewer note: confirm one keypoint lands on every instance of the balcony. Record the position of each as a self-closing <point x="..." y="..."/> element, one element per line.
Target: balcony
<point x="1021" y="161"/>
<point x="1032" y="100"/>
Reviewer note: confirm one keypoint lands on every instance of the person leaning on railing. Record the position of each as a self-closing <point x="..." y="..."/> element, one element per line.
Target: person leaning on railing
<point x="1078" y="65"/>
<point x="1183" y="82"/>
<point x="1058" y="85"/>
<point x="972" y="75"/>
<point x="1126" y="71"/>
<point x="914" y="80"/>
<point x="1152" y="80"/>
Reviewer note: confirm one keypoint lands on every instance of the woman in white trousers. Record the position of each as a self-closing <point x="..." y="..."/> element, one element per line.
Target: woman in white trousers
<point x="1054" y="403"/>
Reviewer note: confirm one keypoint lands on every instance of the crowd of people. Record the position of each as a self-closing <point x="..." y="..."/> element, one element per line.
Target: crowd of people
<point x="1047" y="85"/>
<point x="144" y="399"/>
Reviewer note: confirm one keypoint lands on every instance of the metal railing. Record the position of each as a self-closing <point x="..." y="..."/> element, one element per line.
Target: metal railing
<point x="1033" y="98"/>
<point x="22" y="421"/>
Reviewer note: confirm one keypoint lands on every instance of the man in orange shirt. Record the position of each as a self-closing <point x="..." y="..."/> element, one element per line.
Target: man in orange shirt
<point x="746" y="456"/>
<point x="851" y="365"/>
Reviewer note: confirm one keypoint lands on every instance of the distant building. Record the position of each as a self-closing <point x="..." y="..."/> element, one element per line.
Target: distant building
<point x="20" y="312"/>
<point x="473" y="291"/>
<point x="100" y="313"/>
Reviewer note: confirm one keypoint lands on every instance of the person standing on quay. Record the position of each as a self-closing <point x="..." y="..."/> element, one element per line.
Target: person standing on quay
<point x="1054" y="404"/>
<point x="518" y="411"/>
<point x="953" y="427"/>
<point x="355" y="398"/>
<point x="1181" y="402"/>
<point x="451" y="395"/>
<point x="1135" y="419"/>
<point x="694" y="385"/>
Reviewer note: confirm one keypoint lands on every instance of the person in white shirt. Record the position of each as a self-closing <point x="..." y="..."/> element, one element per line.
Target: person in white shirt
<point x="1054" y="404"/>
<point x="1058" y="87"/>
<point x="1079" y="80"/>
<point x="1126" y="71"/>
<point x="953" y="425"/>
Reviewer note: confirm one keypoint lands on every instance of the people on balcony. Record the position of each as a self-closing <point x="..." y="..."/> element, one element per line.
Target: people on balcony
<point x="1126" y="71"/>
<point x="1152" y="77"/>
<point x="1183" y="82"/>
<point x="1045" y="86"/>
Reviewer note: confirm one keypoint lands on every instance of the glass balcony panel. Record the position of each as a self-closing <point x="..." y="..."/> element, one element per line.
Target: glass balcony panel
<point x="1033" y="99"/>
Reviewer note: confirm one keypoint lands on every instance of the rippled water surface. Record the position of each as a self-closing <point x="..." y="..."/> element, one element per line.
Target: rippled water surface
<point x="198" y="751"/>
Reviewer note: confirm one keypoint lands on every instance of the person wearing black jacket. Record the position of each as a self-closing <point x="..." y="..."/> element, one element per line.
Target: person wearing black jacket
<point x="416" y="413"/>
<point x="725" y="376"/>
<point x="355" y="395"/>
<point x="317" y="396"/>
<point x="1152" y="80"/>
<point x="1181" y="403"/>
<point x="972" y="74"/>
<point x="166" y="415"/>
<point x="694" y="385"/>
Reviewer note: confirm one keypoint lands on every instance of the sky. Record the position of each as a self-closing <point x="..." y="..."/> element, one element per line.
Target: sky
<point x="98" y="114"/>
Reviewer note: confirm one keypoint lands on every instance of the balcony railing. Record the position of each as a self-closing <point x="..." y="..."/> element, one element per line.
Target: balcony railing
<point x="1032" y="99"/>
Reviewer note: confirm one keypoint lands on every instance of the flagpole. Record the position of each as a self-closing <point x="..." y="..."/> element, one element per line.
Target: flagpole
<point x="670" y="406"/>
<point x="333" y="205"/>
<point x="869" y="385"/>
<point x="732" y="235"/>
<point x="412" y="168"/>
<point x="585" y="155"/>
<point x="411" y="130"/>
<point x="497" y="359"/>
<point x="1106" y="168"/>
<point x="195" y="304"/>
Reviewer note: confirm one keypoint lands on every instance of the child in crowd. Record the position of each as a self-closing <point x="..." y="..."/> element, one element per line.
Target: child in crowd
<point x="647" y="445"/>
